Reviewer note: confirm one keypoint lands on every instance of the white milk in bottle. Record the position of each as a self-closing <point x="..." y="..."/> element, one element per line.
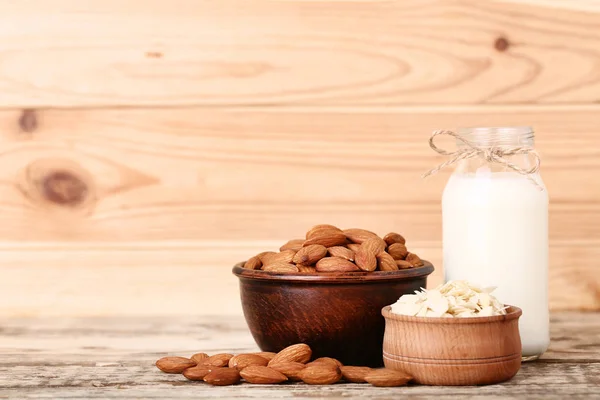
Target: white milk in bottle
<point x="495" y="227"/>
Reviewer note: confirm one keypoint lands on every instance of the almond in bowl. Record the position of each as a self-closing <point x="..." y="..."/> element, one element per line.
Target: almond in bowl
<point x="330" y="293"/>
<point x="329" y="249"/>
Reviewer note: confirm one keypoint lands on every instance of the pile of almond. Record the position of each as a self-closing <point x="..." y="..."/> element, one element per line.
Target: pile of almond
<point x="330" y="249"/>
<point x="289" y="365"/>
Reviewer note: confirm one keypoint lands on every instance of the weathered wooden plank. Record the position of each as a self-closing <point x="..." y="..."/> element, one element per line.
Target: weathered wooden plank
<point x="233" y="52"/>
<point x="113" y="357"/>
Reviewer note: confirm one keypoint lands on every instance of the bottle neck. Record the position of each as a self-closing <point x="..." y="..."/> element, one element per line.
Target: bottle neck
<point x="498" y="138"/>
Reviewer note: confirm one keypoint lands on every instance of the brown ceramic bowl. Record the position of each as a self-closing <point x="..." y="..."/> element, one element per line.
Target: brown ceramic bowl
<point x="337" y="315"/>
<point x="453" y="351"/>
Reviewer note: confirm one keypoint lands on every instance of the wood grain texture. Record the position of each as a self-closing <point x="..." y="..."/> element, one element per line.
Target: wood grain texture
<point x="113" y="358"/>
<point x="187" y="52"/>
<point x="454" y="351"/>
<point x="144" y="201"/>
<point x="204" y="174"/>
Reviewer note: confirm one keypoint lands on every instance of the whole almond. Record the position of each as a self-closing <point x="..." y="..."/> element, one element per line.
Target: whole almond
<point x="223" y="377"/>
<point x="310" y="254"/>
<point x="290" y="369"/>
<point x="358" y="235"/>
<point x="355" y="374"/>
<point x="320" y="374"/>
<point x="294" y="244"/>
<point x="403" y="264"/>
<point x="393" y="237"/>
<point x="280" y="267"/>
<point x="198" y="372"/>
<point x="266" y="354"/>
<point x="387" y="377"/>
<point x="265" y="255"/>
<point x="253" y="263"/>
<point x="375" y="245"/>
<point x="285" y="256"/>
<point x="242" y="361"/>
<point x="327" y="239"/>
<point x="297" y="352"/>
<point x="336" y="264"/>
<point x="414" y="260"/>
<point x="365" y="259"/>
<point x="174" y="365"/>
<point x="385" y="262"/>
<point x="262" y="375"/>
<point x="327" y="360"/>
<point x="398" y="251"/>
<point x="306" y="269"/>
<point x="199" y="357"/>
<point x="341" y="251"/>
<point x="321" y="229"/>
<point x="353" y="246"/>
<point x="218" y="360"/>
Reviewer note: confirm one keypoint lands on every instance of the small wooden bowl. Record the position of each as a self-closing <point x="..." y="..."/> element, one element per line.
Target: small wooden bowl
<point x="338" y="315"/>
<point x="453" y="351"/>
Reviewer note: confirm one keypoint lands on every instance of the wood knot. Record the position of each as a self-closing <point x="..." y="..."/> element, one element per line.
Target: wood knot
<point x="58" y="185"/>
<point x="64" y="188"/>
<point x="501" y="44"/>
<point x="28" y="121"/>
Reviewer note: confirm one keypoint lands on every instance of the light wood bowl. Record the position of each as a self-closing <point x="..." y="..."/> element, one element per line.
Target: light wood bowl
<point x="453" y="351"/>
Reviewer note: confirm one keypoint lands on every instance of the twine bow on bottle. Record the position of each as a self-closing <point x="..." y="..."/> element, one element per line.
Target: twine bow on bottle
<point x="494" y="154"/>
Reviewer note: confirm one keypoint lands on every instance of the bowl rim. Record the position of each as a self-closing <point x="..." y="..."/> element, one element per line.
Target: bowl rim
<point x="338" y="277"/>
<point x="513" y="312"/>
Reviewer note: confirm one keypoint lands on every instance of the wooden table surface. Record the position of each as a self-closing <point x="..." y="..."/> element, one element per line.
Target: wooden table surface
<point x="114" y="358"/>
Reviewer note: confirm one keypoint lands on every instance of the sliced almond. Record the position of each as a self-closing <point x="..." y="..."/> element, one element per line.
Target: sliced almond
<point x="398" y="251"/>
<point x="385" y="262"/>
<point x="280" y="267"/>
<point x="174" y="365"/>
<point x="358" y="235"/>
<point x="310" y="254"/>
<point x="336" y="264"/>
<point x="262" y="375"/>
<point x="393" y="237"/>
<point x="341" y="251"/>
<point x="385" y="377"/>
<point x="355" y="374"/>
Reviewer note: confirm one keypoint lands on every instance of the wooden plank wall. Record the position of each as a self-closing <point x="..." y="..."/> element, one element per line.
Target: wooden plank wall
<point x="146" y="146"/>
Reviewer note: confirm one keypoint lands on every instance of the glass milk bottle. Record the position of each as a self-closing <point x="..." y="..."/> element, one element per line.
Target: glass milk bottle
<point x="495" y="226"/>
